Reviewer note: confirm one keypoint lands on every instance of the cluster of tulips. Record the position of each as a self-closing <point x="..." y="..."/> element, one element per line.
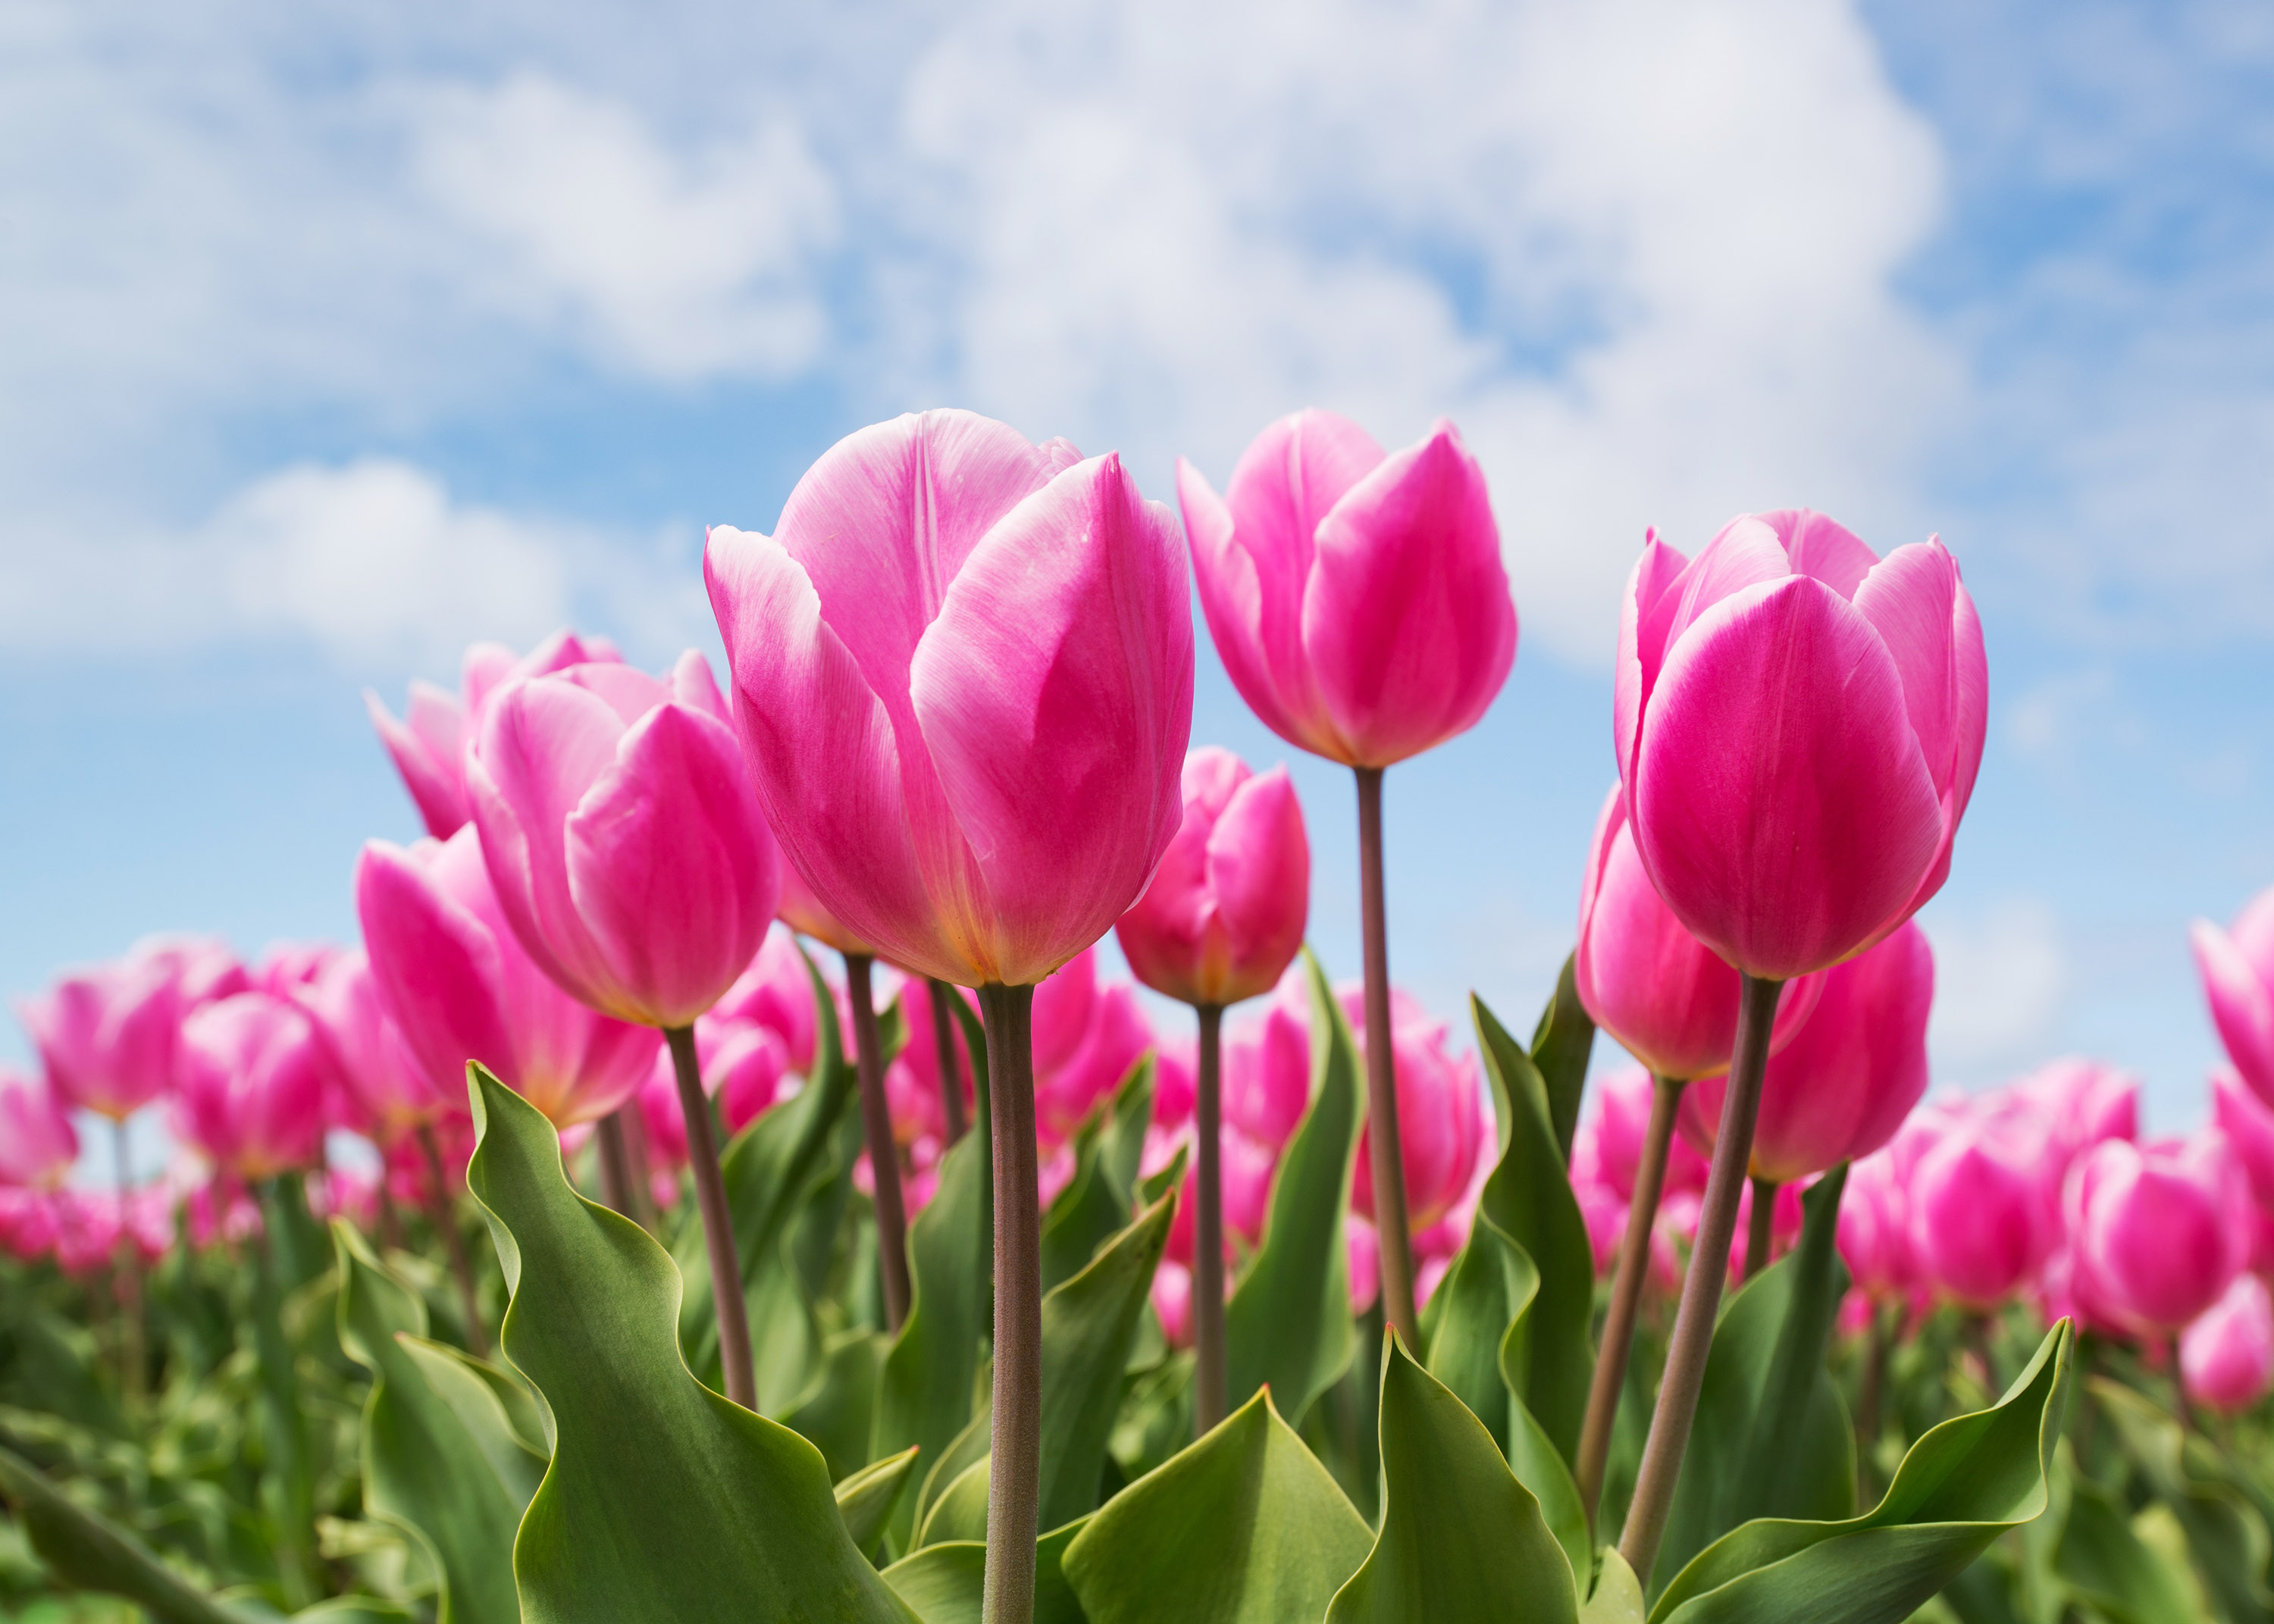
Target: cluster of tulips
<point x="1310" y="1313"/>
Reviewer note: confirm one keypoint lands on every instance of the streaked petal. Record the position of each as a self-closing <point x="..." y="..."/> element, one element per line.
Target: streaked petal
<point x="1642" y="646"/>
<point x="1243" y="616"/>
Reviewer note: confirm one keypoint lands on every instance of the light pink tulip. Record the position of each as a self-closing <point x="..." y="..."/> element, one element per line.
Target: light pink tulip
<point x="1798" y="724"/>
<point x="1086" y="1039"/>
<point x="252" y="1092"/>
<point x="1979" y="1229"/>
<point x="1667" y="998"/>
<point x="108" y="1035"/>
<point x="963" y="680"/>
<point x="1619" y="1127"/>
<point x="363" y="1055"/>
<point x="2156" y="1231"/>
<point x="1440" y="1111"/>
<point x="624" y="837"/>
<point x="1849" y="1077"/>
<point x="37" y="1141"/>
<point x="2247" y="1122"/>
<point x="1224" y="917"/>
<point x="461" y="988"/>
<point x="801" y="911"/>
<point x="2080" y="1101"/>
<point x="1875" y="1230"/>
<point x="2237" y="964"/>
<point x="776" y="992"/>
<point x="1172" y="1302"/>
<point x="2227" y="1357"/>
<point x="203" y="968"/>
<point x="87" y="1228"/>
<point x="1358" y="599"/>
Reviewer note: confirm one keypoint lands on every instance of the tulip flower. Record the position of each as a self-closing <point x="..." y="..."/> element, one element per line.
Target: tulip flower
<point x="931" y="1082"/>
<point x="963" y="680"/>
<point x="1798" y="724"/>
<point x="2081" y="1102"/>
<point x="2156" y="1231"/>
<point x="1221" y="922"/>
<point x="37" y="1141"/>
<point x="1441" y="1097"/>
<point x="1359" y="603"/>
<point x="1978" y="1227"/>
<point x="108" y="1035"/>
<point x="2226" y="1356"/>
<point x="1875" y="1230"/>
<point x="203" y="968"/>
<point x="2237" y="964"/>
<point x="2247" y="1122"/>
<point x="776" y="992"/>
<point x="252" y="1091"/>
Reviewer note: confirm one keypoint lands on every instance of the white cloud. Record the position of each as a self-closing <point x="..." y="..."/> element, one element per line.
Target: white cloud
<point x="2000" y="980"/>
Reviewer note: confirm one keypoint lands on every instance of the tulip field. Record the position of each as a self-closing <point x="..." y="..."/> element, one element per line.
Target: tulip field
<point x="723" y="1181"/>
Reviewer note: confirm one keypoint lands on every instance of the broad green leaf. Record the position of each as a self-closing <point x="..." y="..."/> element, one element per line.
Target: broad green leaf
<point x="2103" y="1563"/>
<point x="86" y="1549"/>
<point x="1771" y="1438"/>
<point x="1961" y="1485"/>
<point x="2224" y="1530"/>
<point x="1087" y="1210"/>
<point x="1461" y="1537"/>
<point x="965" y="1447"/>
<point x="1245" y="1527"/>
<point x="944" y="1582"/>
<point x="281" y="1266"/>
<point x="1124" y="1150"/>
<point x="959" y="1512"/>
<point x="837" y="1414"/>
<point x="1529" y="1196"/>
<point x="422" y="1470"/>
<point x="1561" y="1046"/>
<point x="1288" y="1324"/>
<point x="865" y="1500"/>
<point x="662" y="1500"/>
<point x="1618" y="1593"/>
<point x="495" y="1406"/>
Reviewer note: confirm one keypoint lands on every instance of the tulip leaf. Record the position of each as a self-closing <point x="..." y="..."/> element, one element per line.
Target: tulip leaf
<point x="944" y="1582"/>
<point x="967" y="1447"/>
<point x="1244" y="1527"/>
<point x="662" y="1500"/>
<point x="422" y="1469"/>
<point x="959" y="1512"/>
<point x="1288" y="1324"/>
<point x="1087" y="1210"/>
<point x="1552" y="1358"/>
<point x="1560" y="1046"/>
<point x="2224" y="1528"/>
<point x="837" y="1414"/>
<point x="2101" y="1562"/>
<point x="865" y="1500"/>
<point x="499" y="1412"/>
<point x="1461" y="1537"/>
<point x="1123" y="1149"/>
<point x="1618" y="1594"/>
<point x="1962" y="1484"/>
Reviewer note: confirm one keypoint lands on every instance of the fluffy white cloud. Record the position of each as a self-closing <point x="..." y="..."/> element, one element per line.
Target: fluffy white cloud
<point x="2000" y="979"/>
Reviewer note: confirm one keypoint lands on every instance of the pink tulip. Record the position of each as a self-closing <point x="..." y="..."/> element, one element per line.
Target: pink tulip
<point x="2237" y="974"/>
<point x="2156" y="1231"/>
<point x="1668" y="999"/>
<point x="1798" y="724"/>
<point x="1849" y="1077"/>
<point x="1979" y="1229"/>
<point x="284" y="968"/>
<point x="1358" y="599"/>
<point x="801" y="911"/>
<point x="963" y="680"/>
<point x="203" y="968"/>
<point x="2080" y="1101"/>
<point x="363" y="1055"/>
<point x="1875" y="1230"/>
<point x="88" y="1229"/>
<point x="742" y="1066"/>
<point x="252" y="1091"/>
<point x="624" y="837"/>
<point x="1439" y="1113"/>
<point x="777" y="993"/>
<point x="1267" y="1065"/>
<point x="2227" y="1357"/>
<point x="1223" y="916"/>
<point x="912" y="1083"/>
<point x="27" y="1223"/>
<point x="2247" y="1122"/>
<point x="1621" y="1123"/>
<point x="1086" y="1039"/>
<point x="461" y="988"/>
<point x="1172" y="1302"/>
<point x="37" y="1142"/>
<point x="108" y="1035"/>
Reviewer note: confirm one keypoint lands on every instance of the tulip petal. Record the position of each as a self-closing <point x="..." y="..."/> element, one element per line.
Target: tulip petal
<point x="693" y="685"/>
<point x="1642" y="647"/>
<point x="1782" y="806"/>
<point x="1745" y="551"/>
<point x="1911" y="597"/>
<point x="436" y="964"/>
<point x="1407" y="618"/>
<point x="1821" y="547"/>
<point x="425" y="751"/>
<point x="1258" y="872"/>
<point x="1060" y="672"/>
<point x="2241" y="1005"/>
<point x="625" y="689"/>
<point x="670" y="866"/>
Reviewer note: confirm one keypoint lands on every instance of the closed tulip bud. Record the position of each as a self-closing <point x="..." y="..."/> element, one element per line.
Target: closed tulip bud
<point x="1439" y="1113"/>
<point x="108" y="1035"/>
<point x="624" y="837"/>
<point x="1620" y="1124"/>
<point x="363" y="1055"/>
<point x="1668" y="999"/>
<point x="1086" y="1039"/>
<point x="776" y="992"/>
<point x="2227" y="1357"/>
<point x="1849" y="1076"/>
<point x="912" y="1082"/>
<point x="1978" y="1225"/>
<point x="37" y="1141"/>
<point x="251" y="1094"/>
<point x="2238" y="975"/>
<point x="963" y="676"/>
<point x="1875" y="1239"/>
<point x="2156" y="1231"/>
<point x="1223" y="916"/>
<point x="1358" y="599"/>
<point x="461" y="986"/>
<point x="1799" y="726"/>
<point x="2247" y="1122"/>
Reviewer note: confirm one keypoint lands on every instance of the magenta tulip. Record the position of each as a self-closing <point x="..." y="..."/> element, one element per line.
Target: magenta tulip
<point x="1224" y="917"/>
<point x="1440" y="1112"/>
<point x="252" y="1092"/>
<point x="801" y="911"/>
<point x="2227" y="1357"/>
<point x="1620" y="1130"/>
<point x="203" y="968"/>
<point x="108" y="1035"/>
<point x="37" y="1141"/>
<point x="2156" y="1231"/>
<point x="1086" y="1036"/>
<point x="1875" y="1230"/>
<point x="1798" y="724"/>
<point x="2237" y="974"/>
<point x="1978" y="1226"/>
<point x="776" y="992"/>
<point x="2247" y="1122"/>
<point x="1358" y="599"/>
<point x="919" y="1103"/>
<point x="461" y="988"/>
<point x="2079" y="1102"/>
<point x="364" y="1053"/>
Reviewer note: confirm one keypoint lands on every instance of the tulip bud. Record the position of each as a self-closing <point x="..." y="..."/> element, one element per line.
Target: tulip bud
<point x="1620" y="1124"/>
<point x="1875" y="1239"/>
<point x="1440" y="1112"/>
<point x="1978" y="1224"/>
<point x="2156" y="1231"/>
<point x="2227" y="1357"/>
<point x="363" y="1055"/>
<point x="251" y="1095"/>
<point x="109" y="1036"/>
<point x="37" y="1141"/>
<point x="2238" y="975"/>
<point x="776" y="992"/>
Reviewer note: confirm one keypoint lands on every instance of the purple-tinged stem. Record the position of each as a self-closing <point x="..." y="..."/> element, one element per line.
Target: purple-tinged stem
<point x="950" y="1070"/>
<point x="884" y="1150"/>
<point x="726" y="1299"/>
<point x="1207" y="1229"/>
<point x="1014" y="1480"/>
<point x="1390" y="1223"/>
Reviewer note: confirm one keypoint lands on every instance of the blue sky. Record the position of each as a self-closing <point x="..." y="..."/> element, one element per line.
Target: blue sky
<point x="331" y="339"/>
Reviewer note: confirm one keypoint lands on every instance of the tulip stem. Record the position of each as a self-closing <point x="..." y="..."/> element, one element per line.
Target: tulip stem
<point x="1760" y="1228"/>
<point x="1207" y="1229"/>
<point x="1626" y="1291"/>
<point x="884" y="1149"/>
<point x="1868" y="1402"/>
<point x="1701" y="1288"/>
<point x="445" y="1218"/>
<point x="2181" y="1407"/>
<point x="615" y="1173"/>
<point x="1391" y="1228"/>
<point x="132" y="1356"/>
<point x="639" y="1187"/>
<point x="951" y="1073"/>
<point x="727" y="1300"/>
<point x="1014" y="1480"/>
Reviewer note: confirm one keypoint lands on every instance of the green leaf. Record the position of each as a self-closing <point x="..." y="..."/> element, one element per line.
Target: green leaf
<point x="967" y="1448"/>
<point x="2224" y="1528"/>
<point x="1529" y="1196"/>
<point x="1560" y="1046"/>
<point x="1461" y="1537"/>
<point x="866" y="1498"/>
<point x="496" y="1408"/>
<point x="1123" y="1149"/>
<point x="86" y="1549"/>
<point x="1618" y="1594"/>
<point x="1087" y="1210"/>
<point x="662" y="1500"/>
<point x="1245" y="1527"/>
<point x="2102" y="1563"/>
<point x="1288" y="1324"/>
<point x="838" y="1413"/>
<point x="944" y="1582"/>
<point x="1771" y="1438"/>
<point x="422" y="1469"/>
<point x="1961" y="1485"/>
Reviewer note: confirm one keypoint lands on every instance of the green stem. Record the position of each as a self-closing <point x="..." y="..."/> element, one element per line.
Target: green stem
<point x="1014" y="1480"/>
<point x="951" y="1073"/>
<point x="726" y="1299"/>
<point x="884" y="1150"/>
<point x="1390" y="1224"/>
<point x="133" y="1357"/>
<point x="1760" y="1231"/>
<point x="1207" y="1229"/>
<point x="639" y="1186"/>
